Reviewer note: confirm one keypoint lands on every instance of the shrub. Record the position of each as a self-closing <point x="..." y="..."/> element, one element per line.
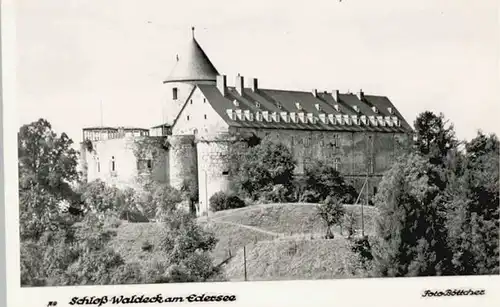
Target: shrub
<point x="276" y="194"/>
<point x="331" y="212"/>
<point x="222" y="201"/>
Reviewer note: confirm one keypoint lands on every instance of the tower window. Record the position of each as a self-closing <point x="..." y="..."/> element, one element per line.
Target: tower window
<point x="113" y="165"/>
<point x="191" y="101"/>
<point x="187" y="117"/>
<point x="204" y="100"/>
<point x="205" y="116"/>
<point x="336" y="164"/>
<point x="174" y="93"/>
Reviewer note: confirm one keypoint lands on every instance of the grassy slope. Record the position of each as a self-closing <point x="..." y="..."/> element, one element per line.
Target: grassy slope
<point x="290" y="259"/>
<point x="268" y="258"/>
<point x="293" y="218"/>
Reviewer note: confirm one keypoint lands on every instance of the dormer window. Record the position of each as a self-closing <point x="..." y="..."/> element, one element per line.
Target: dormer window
<point x="347" y="119"/>
<point x="311" y="118"/>
<point x="339" y="120"/>
<point x="257" y="104"/>
<point x="265" y="115"/>
<point x="276" y="117"/>
<point x="332" y="119"/>
<point x="373" y="121"/>
<point x="299" y="107"/>
<point x="337" y="108"/>
<point x="374" y="109"/>
<point x="239" y="114"/>
<point x="236" y="103"/>
<point x="258" y="116"/>
<point x="356" y="108"/>
<point x="318" y="107"/>
<point x="390" y="110"/>
<point x="355" y="119"/>
<point x="302" y="117"/>
<point x="293" y="118"/>
<point x="230" y="113"/>
<point x="285" y="117"/>
<point x="174" y="93"/>
<point x="363" y="119"/>
<point x="248" y="115"/>
<point x="322" y="118"/>
<point x="278" y="105"/>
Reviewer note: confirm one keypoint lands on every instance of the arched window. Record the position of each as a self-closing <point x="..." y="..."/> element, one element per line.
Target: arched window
<point x="113" y="164"/>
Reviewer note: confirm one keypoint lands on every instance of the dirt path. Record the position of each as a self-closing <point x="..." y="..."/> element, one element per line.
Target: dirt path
<point x="275" y="234"/>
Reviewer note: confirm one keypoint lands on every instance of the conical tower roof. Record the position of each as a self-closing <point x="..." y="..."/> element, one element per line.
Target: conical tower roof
<point x="193" y="65"/>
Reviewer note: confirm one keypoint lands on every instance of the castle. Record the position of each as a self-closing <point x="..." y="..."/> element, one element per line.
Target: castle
<point x="358" y="134"/>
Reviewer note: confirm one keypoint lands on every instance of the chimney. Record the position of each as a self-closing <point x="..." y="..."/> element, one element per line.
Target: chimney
<point x="254" y="84"/>
<point x="315" y="93"/>
<point x="222" y="84"/>
<point x="239" y="84"/>
<point x="335" y="95"/>
<point x="361" y="95"/>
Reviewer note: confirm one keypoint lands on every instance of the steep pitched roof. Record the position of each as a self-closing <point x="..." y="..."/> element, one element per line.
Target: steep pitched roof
<point x="268" y="100"/>
<point x="193" y="65"/>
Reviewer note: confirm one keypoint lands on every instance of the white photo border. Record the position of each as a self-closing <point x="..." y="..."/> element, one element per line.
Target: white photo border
<point x="346" y="292"/>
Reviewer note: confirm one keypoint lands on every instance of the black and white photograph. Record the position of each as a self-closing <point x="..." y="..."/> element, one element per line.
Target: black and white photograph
<point x="173" y="142"/>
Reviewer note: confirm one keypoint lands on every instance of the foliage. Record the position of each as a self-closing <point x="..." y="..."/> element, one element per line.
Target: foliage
<point x="349" y="223"/>
<point x="331" y="212"/>
<point x="47" y="167"/>
<point x="165" y="199"/>
<point x="275" y="194"/>
<point x="322" y="180"/>
<point x="89" y="146"/>
<point x="186" y="247"/>
<point x="190" y="191"/>
<point x="434" y="137"/>
<point x="98" y="197"/>
<point x="261" y="167"/>
<point x="222" y="201"/>
<point x="412" y="237"/>
<point x="474" y="210"/>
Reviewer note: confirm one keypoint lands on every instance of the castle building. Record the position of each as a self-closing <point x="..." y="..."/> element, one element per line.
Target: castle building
<point x="359" y="134"/>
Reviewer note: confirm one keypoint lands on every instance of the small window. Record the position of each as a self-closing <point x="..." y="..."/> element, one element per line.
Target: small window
<point x="149" y="164"/>
<point x="191" y="101"/>
<point x="98" y="166"/>
<point x="174" y="93"/>
<point x="375" y="190"/>
<point x="257" y="104"/>
<point x="336" y="164"/>
<point x="204" y="100"/>
<point x="205" y="116"/>
<point x="187" y="117"/>
<point x="113" y="165"/>
<point x="225" y="173"/>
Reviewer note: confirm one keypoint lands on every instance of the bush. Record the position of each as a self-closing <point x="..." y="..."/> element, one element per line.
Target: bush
<point x="278" y="193"/>
<point x="222" y="201"/>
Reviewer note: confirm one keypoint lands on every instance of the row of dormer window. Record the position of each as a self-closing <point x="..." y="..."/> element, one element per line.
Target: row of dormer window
<point x="310" y="118"/>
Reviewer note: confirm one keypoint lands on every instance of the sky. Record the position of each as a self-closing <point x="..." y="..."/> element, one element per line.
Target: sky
<point x="437" y="55"/>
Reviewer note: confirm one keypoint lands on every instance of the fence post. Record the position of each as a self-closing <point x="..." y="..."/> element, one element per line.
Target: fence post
<point x="245" y="261"/>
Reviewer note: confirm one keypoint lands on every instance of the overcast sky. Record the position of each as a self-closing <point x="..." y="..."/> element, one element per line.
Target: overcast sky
<point x="438" y="55"/>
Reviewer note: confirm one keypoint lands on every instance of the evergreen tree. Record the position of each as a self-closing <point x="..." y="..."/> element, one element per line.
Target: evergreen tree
<point x="412" y="236"/>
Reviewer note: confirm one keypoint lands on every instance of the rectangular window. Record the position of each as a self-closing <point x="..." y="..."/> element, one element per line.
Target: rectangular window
<point x="205" y="116"/>
<point x="204" y="100"/>
<point x="174" y="93"/>
<point x="98" y="167"/>
<point x="225" y="173"/>
<point x="191" y="102"/>
<point x="149" y="164"/>
<point x="187" y="117"/>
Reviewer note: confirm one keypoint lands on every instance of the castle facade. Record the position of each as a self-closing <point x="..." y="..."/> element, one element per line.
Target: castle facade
<point x="359" y="134"/>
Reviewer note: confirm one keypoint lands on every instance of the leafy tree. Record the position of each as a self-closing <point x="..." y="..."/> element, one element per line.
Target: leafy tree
<point x="222" y="201"/>
<point x="187" y="250"/>
<point x="190" y="191"/>
<point x="322" y="180"/>
<point x="165" y="199"/>
<point x="412" y="235"/>
<point x="434" y="137"/>
<point x="47" y="167"/>
<point x="261" y="167"/>
<point x="474" y="210"/>
<point x="99" y="197"/>
<point x="331" y="211"/>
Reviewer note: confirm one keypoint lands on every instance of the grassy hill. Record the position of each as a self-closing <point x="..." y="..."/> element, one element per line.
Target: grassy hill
<point x="283" y="241"/>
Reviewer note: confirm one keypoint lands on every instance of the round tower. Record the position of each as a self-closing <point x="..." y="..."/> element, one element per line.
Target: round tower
<point x="191" y="68"/>
<point x="182" y="158"/>
<point x="213" y="166"/>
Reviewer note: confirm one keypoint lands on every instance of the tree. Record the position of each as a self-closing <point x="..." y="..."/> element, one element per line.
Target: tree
<point x="98" y="197"/>
<point x="474" y="211"/>
<point x="322" y="180"/>
<point x="47" y="167"/>
<point x="190" y="190"/>
<point x="434" y="137"/>
<point x="331" y="211"/>
<point x="261" y="167"/>
<point x="412" y="235"/>
<point x="187" y="250"/>
<point x="165" y="199"/>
